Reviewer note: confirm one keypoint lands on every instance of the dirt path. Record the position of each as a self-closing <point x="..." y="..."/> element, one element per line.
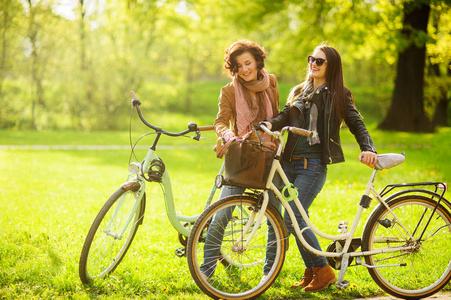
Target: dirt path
<point x="438" y="296"/>
<point x="90" y="147"/>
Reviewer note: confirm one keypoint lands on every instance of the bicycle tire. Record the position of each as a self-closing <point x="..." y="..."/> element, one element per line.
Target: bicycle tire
<point x="242" y="276"/>
<point x="404" y="274"/>
<point x="90" y="255"/>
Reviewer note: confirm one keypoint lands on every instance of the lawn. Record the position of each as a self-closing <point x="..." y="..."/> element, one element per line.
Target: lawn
<point x="48" y="199"/>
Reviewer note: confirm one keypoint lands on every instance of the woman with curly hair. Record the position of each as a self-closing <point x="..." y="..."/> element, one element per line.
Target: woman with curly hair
<point x="249" y="98"/>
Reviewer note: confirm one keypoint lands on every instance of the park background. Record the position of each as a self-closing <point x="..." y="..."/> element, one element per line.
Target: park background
<point x="66" y="70"/>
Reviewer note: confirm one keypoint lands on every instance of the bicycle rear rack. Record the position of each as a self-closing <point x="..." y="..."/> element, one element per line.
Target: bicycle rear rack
<point x="428" y="188"/>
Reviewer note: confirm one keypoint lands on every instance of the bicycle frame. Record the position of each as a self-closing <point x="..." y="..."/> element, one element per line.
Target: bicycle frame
<point x="176" y="220"/>
<point x="137" y="171"/>
<point x="292" y="196"/>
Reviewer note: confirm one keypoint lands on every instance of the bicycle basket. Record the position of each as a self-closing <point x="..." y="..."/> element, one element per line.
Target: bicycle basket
<point x="247" y="164"/>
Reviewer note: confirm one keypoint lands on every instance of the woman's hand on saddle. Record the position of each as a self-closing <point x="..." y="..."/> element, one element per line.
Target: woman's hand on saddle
<point x="368" y="158"/>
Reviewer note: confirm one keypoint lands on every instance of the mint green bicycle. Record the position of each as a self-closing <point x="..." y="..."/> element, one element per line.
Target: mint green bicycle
<point x="116" y="224"/>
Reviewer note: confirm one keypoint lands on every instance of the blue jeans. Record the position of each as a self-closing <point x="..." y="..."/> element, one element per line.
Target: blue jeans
<point x="215" y="234"/>
<point x="309" y="183"/>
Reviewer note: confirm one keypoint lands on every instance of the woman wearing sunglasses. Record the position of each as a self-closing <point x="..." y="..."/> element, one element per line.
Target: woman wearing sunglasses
<point x="320" y="104"/>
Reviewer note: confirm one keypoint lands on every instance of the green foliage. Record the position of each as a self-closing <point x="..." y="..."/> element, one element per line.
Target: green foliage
<point x="52" y="197"/>
<point x="63" y="69"/>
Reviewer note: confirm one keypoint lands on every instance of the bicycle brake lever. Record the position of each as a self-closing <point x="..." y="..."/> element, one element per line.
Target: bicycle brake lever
<point x="197" y="137"/>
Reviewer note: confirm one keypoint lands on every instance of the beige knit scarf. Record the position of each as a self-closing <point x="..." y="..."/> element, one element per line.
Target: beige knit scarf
<point x="252" y="100"/>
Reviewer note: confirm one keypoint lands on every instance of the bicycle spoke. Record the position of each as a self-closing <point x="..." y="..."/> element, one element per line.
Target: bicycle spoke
<point x="425" y="265"/>
<point x="110" y="235"/>
<point x="237" y="270"/>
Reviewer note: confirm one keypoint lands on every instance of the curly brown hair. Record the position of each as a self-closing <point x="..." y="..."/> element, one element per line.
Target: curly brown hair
<point x="239" y="47"/>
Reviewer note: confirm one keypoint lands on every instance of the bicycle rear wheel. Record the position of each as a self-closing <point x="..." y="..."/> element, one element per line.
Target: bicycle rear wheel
<point x="418" y="272"/>
<point x="241" y="274"/>
<point x="111" y="234"/>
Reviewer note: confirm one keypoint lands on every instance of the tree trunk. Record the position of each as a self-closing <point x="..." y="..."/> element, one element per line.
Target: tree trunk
<point x="440" y="117"/>
<point x="189" y="75"/>
<point x="4" y="47"/>
<point x="82" y="35"/>
<point x="406" y="112"/>
<point x="32" y="36"/>
<point x="8" y="12"/>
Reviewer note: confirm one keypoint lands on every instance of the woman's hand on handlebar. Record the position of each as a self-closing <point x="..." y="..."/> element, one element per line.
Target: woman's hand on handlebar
<point x="264" y="123"/>
<point x="228" y="136"/>
<point x="368" y="158"/>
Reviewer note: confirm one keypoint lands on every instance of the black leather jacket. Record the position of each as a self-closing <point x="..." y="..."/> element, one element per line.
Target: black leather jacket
<point x="329" y="130"/>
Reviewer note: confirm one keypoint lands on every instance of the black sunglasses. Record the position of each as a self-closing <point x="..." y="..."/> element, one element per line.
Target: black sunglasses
<point x="319" y="61"/>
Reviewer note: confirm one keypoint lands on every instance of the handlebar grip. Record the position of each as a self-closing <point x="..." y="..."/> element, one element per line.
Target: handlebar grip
<point x="300" y="131"/>
<point x="206" y="128"/>
<point x="135" y="100"/>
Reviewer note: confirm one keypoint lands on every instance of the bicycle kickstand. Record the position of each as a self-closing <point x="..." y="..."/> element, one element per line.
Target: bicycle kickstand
<point x="342" y="284"/>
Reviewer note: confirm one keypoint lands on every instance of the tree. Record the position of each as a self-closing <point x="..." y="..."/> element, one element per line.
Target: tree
<point x="440" y="117"/>
<point x="406" y="112"/>
<point x="438" y="79"/>
<point x="9" y="10"/>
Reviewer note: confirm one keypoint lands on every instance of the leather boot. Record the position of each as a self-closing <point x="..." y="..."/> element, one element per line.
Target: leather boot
<point x="308" y="276"/>
<point x="322" y="278"/>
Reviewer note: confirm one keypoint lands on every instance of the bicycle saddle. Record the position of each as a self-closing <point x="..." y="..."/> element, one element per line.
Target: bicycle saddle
<point x="389" y="160"/>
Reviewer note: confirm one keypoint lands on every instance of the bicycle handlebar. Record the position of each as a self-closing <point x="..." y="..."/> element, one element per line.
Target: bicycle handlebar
<point x="295" y="130"/>
<point x="299" y="131"/>
<point x="206" y="128"/>
<point x="192" y="127"/>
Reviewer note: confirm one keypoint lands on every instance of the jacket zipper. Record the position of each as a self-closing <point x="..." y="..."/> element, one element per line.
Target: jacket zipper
<point x="371" y="146"/>
<point x="294" y="147"/>
<point x="328" y="128"/>
<point x="332" y="140"/>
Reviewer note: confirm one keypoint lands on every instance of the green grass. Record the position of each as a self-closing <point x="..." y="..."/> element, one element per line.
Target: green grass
<point x="48" y="200"/>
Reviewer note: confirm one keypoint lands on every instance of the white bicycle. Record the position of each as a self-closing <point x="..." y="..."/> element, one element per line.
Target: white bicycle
<point x="409" y="228"/>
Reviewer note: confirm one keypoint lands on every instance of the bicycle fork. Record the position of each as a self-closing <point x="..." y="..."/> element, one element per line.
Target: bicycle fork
<point x="133" y="184"/>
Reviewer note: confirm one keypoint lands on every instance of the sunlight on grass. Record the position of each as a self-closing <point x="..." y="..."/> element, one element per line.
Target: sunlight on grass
<point x="48" y="200"/>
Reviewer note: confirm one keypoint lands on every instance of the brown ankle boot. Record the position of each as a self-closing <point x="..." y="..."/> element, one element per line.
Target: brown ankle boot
<point x="308" y="276"/>
<point x="322" y="278"/>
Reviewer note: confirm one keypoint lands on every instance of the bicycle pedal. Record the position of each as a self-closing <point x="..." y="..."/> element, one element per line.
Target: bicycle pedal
<point x="342" y="285"/>
<point x="180" y="252"/>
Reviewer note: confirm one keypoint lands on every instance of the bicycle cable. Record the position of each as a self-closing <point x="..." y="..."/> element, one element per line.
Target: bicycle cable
<point x="133" y="146"/>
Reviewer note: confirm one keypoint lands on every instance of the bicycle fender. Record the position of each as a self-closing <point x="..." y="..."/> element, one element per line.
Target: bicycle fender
<point x="131" y="186"/>
<point x="142" y="210"/>
<point x="135" y="186"/>
<point x="434" y="196"/>
<point x="401" y="193"/>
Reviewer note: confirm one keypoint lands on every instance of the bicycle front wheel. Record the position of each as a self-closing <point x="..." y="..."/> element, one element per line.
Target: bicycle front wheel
<point x="111" y="234"/>
<point x="421" y="270"/>
<point x="221" y="234"/>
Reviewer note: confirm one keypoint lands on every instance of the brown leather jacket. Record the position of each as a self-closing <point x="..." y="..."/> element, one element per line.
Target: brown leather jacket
<point x="226" y="117"/>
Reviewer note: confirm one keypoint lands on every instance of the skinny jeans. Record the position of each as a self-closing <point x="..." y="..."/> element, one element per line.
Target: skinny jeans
<point x="308" y="182"/>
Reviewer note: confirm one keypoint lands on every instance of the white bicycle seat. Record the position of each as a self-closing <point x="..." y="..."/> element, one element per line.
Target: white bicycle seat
<point x="389" y="160"/>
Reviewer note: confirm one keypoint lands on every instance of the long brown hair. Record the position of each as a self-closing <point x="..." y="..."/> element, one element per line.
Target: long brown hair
<point x="334" y="80"/>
